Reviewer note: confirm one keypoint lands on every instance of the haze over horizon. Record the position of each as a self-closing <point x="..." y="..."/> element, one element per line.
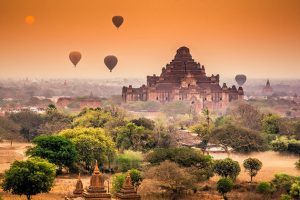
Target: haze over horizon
<point x="253" y="37"/>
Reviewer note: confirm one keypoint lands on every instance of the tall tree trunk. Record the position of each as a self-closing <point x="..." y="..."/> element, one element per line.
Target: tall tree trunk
<point x="28" y="196"/>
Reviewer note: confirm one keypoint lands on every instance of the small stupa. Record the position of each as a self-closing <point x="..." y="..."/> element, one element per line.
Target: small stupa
<point x="96" y="190"/>
<point x="79" y="187"/>
<point x="128" y="192"/>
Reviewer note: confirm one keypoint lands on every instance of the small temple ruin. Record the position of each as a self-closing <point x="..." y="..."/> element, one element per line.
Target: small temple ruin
<point x="96" y="190"/>
<point x="184" y="79"/>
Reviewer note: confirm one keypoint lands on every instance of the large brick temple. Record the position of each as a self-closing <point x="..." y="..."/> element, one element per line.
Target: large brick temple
<point x="183" y="79"/>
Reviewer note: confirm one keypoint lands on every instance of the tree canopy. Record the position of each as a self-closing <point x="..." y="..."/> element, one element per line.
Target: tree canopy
<point x="29" y="177"/>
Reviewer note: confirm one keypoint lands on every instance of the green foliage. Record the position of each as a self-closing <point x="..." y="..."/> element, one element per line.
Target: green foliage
<point x="227" y="168"/>
<point x="56" y="149"/>
<point x="298" y="164"/>
<point x="285" y="197"/>
<point x="172" y="178"/>
<point x="128" y="160"/>
<point x="270" y="124"/>
<point x="95" y="118"/>
<point x="29" y="177"/>
<point x="91" y="144"/>
<point x="295" y="190"/>
<point x="252" y="165"/>
<point x="118" y="180"/>
<point x="146" y="123"/>
<point x="245" y="140"/>
<point x="201" y="166"/>
<point x="135" y="137"/>
<point x="264" y="188"/>
<point x="222" y="121"/>
<point x="224" y="185"/>
<point x="136" y="177"/>
<point x="282" y="144"/>
<point x="283" y="182"/>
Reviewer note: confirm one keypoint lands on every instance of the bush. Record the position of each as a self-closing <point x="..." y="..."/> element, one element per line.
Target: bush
<point x="136" y="177"/>
<point x="128" y="160"/>
<point x="298" y="164"/>
<point x="201" y="166"/>
<point x="285" y="197"/>
<point x="264" y="188"/>
<point x="283" y="182"/>
<point x="118" y="180"/>
<point x="295" y="191"/>
<point x="283" y="144"/>
<point x="252" y="165"/>
<point x="227" y="168"/>
<point x="224" y="185"/>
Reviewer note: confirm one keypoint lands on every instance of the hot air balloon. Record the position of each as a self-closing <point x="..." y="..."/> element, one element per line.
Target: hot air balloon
<point x="75" y="57"/>
<point x="240" y="79"/>
<point x="117" y="21"/>
<point x="110" y="62"/>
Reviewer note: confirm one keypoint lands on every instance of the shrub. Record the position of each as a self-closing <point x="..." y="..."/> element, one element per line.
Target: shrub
<point x="295" y="191"/>
<point x="118" y="180"/>
<point x="252" y="165"/>
<point x="136" y="177"/>
<point x="283" y="182"/>
<point x="285" y="197"/>
<point x="264" y="188"/>
<point x="200" y="165"/>
<point x="128" y="160"/>
<point x="298" y="164"/>
<point x="224" y="185"/>
<point x="227" y="168"/>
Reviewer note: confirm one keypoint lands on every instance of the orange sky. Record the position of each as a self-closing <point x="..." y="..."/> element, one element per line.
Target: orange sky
<point x="260" y="38"/>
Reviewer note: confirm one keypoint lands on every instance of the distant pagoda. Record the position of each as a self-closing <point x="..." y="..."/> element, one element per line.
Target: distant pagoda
<point x="267" y="90"/>
<point x="183" y="79"/>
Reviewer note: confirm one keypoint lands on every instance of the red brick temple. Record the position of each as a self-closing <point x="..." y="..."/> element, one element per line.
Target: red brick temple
<point x="184" y="79"/>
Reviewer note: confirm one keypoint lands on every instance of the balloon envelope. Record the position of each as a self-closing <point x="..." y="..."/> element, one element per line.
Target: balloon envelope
<point x="117" y="21"/>
<point x="110" y="62"/>
<point x="240" y="79"/>
<point x="75" y="57"/>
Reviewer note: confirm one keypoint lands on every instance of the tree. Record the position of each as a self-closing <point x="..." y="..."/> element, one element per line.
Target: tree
<point x="201" y="166"/>
<point x="128" y="160"/>
<point x="173" y="178"/>
<point x="252" y="165"/>
<point x="227" y="168"/>
<point x="54" y="122"/>
<point x="224" y="185"/>
<point x="146" y="123"/>
<point x="29" y="177"/>
<point x="270" y="124"/>
<point x="92" y="118"/>
<point x="9" y="129"/>
<point x="246" y="115"/>
<point x="29" y="123"/>
<point x="91" y="144"/>
<point x="56" y="149"/>
<point x="245" y="140"/>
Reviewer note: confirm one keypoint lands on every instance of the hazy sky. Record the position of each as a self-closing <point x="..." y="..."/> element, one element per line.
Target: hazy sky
<point x="260" y="38"/>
